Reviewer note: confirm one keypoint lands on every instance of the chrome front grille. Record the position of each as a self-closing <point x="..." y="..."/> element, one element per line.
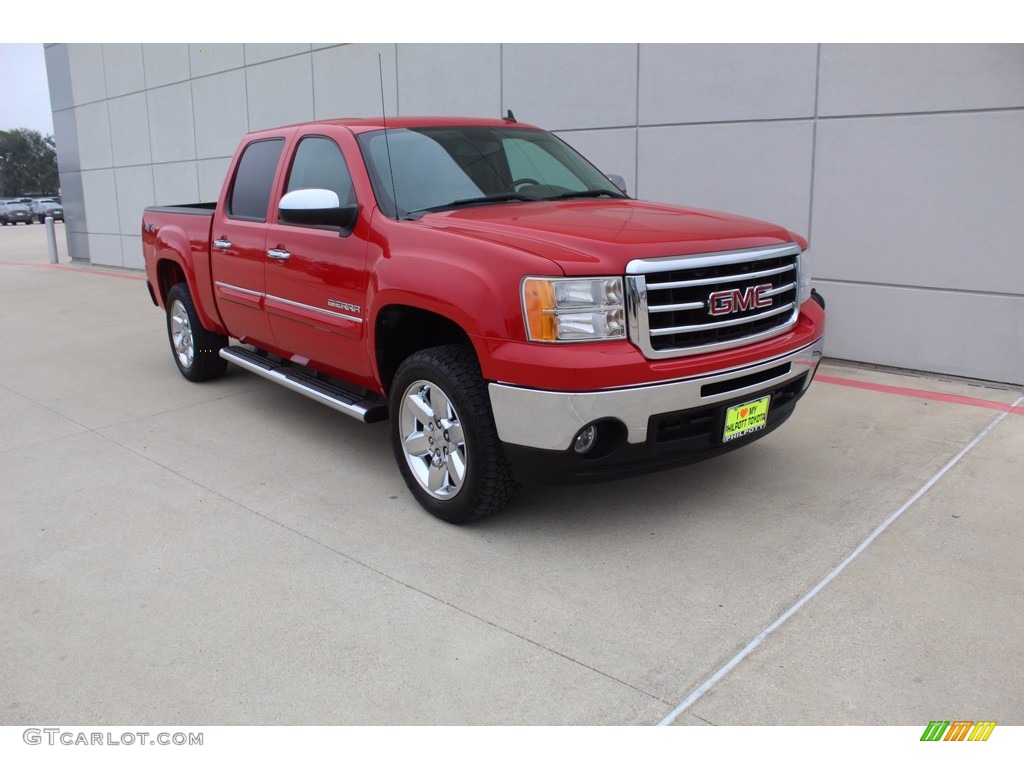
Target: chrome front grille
<point x="690" y="305"/>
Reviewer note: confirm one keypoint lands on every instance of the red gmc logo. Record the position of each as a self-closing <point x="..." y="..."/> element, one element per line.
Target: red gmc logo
<point x="735" y="300"/>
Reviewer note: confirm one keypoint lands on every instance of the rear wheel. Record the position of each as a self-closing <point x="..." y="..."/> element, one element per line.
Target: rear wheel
<point x="444" y="438"/>
<point x="196" y="350"/>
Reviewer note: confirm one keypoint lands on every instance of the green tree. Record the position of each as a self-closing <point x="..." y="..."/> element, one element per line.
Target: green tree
<point x="28" y="163"/>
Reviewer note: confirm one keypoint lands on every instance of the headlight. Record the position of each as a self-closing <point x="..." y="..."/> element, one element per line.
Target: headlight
<point x="573" y="309"/>
<point x="805" y="279"/>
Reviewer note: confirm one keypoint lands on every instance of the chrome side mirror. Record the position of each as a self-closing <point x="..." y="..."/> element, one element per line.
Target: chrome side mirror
<point x="317" y="207"/>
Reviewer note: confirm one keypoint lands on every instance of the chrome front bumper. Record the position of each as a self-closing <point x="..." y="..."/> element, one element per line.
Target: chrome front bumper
<point x="550" y="420"/>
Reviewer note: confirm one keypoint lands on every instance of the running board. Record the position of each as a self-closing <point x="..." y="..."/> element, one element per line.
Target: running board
<point x="349" y="403"/>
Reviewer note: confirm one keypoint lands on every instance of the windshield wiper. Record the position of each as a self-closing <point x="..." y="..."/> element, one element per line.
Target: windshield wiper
<point x="586" y="193"/>
<point x="504" y="197"/>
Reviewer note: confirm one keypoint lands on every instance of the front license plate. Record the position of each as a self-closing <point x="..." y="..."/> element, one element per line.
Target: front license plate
<point x="743" y="419"/>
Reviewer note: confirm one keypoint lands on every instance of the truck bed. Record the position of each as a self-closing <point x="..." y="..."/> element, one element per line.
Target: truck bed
<point x="196" y="209"/>
<point x="167" y="232"/>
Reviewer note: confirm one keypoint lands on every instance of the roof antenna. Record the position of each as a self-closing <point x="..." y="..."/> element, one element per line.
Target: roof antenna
<point x="387" y="144"/>
<point x="509" y="118"/>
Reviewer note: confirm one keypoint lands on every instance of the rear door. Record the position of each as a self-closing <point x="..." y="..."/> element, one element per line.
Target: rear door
<point x="316" y="280"/>
<point x="238" y="248"/>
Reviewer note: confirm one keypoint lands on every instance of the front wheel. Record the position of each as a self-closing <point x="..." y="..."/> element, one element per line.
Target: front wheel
<point x="444" y="439"/>
<point x="196" y="350"/>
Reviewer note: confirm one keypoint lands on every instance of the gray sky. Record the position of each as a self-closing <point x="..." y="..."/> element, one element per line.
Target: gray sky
<point x="24" y="93"/>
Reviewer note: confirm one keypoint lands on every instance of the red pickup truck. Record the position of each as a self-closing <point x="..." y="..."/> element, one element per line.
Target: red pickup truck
<point x="507" y="306"/>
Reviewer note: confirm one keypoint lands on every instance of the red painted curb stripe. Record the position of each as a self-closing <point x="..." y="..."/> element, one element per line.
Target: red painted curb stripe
<point x="76" y="269"/>
<point x="96" y="272"/>
<point x="923" y="394"/>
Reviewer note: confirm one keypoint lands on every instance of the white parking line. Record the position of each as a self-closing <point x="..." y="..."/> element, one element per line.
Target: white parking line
<point x="729" y="665"/>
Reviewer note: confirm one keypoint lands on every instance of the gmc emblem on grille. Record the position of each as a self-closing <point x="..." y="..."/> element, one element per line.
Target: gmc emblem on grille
<point x="735" y="300"/>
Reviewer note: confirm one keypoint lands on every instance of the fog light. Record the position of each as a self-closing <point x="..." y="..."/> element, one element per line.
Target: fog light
<point x="585" y="439"/>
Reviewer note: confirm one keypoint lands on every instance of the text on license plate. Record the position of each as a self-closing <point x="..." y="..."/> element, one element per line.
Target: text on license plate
<point x="743" y="419"/>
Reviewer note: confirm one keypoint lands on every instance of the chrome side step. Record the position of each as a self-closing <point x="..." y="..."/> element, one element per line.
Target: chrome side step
<point x="365" y="409"/>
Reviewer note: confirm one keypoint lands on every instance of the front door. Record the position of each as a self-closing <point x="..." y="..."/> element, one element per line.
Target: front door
<point x="316" y="281"/>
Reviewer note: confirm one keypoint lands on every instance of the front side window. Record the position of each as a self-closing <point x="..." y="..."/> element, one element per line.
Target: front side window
<point x="250" y="192"/>
<point x="320" y="164"/>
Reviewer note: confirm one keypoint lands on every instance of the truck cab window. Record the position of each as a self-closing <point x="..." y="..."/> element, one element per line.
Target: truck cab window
<point x="250" y="193"/>
<point x="531" y="159"/>
<point x="320" y="164"/>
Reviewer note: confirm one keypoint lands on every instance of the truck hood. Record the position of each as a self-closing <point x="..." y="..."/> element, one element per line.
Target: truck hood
<point x="602" y="236"/>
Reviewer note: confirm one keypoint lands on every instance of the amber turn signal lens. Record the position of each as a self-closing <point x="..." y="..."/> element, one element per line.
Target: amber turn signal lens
<point x="539" y="304"/>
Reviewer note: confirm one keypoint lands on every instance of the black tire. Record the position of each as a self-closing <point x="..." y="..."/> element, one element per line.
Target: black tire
<point x="444" y="439"/>
<point x="196" y="351"/>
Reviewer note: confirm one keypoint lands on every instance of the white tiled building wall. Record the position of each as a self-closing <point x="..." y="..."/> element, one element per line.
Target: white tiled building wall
<point x="904" y="164"/>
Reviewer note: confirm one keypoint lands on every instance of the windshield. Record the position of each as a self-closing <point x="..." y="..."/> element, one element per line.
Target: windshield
<point x="418" y="170"/>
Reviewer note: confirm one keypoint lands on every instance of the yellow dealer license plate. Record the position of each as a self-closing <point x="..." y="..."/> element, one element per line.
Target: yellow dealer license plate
<point x="743" y="419"/>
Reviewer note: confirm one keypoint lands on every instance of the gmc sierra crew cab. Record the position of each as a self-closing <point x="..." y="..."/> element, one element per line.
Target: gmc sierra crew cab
<point x="513" y="313"/>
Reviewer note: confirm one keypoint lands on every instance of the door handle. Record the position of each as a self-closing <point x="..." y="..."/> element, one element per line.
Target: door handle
<point x="222" y="244"/>
<point x="279" y="254"/>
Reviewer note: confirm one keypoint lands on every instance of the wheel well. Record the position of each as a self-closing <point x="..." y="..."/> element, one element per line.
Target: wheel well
<point x="403" y="330"/>
<point x="168" y="274"/>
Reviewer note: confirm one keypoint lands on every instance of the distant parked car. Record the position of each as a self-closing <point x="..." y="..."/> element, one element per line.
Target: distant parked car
<point x="45" y="208"/>
<point x="12" y="213"/>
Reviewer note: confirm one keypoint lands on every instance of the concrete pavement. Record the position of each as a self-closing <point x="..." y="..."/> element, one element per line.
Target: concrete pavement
<point x="232" y="553"/>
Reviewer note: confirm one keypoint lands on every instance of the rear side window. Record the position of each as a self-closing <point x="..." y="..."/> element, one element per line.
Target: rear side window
<point x="319" y="164"/>
<point x="250" y="194"/>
